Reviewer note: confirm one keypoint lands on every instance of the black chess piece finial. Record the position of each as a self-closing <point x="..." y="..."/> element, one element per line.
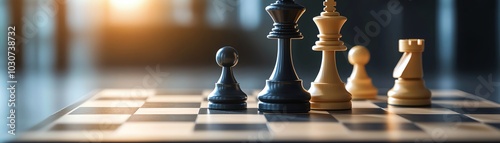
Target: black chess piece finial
<point x="227" y="94"/>
<point x="284" y="91"/>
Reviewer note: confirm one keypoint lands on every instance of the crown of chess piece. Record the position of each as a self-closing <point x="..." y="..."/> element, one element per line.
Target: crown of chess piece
<point x="328" y="92"/>
<point x="409" y="88"/>
<point x="359" y="84"/>
<point x="284" y="91"/>
<point x="227" y="94"/>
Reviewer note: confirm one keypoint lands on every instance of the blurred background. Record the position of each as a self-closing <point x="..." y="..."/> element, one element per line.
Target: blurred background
<point x="68" y="48"/>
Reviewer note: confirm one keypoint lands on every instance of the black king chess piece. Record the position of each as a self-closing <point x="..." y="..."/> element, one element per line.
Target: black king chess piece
<point x="227" y="94"/>
<point x="284" y="91"/>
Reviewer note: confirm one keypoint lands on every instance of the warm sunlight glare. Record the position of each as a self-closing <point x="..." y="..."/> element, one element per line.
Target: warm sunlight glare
<point x="128" y="11"/>
<point x="126" y="4"/>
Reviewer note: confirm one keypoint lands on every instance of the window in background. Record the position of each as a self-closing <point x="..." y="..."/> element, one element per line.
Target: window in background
<point x="218" y="12"/>
<point x="84" y="20"/>
<point x="84" y="26"/>
<point x="38" y="30"/>
<point x="39" y="59"/>
<point x="249" y="14"/>
<point x="182" y="12"/>
<point x="446" y="41"/>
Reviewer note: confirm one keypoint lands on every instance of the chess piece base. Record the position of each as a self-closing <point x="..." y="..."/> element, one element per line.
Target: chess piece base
<point x="361" y="89"/>
<point x="227" y="97"/>
<point x="331" y="106"/>
<point x="409" y="92"/>
<point x="284" y="107"/>
<point x="338" y="99"/>
<point x="284" y="97"/>
<point x="225" y="106"/>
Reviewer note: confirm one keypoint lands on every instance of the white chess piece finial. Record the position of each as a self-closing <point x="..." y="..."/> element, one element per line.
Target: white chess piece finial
<point x="330" y="8"/>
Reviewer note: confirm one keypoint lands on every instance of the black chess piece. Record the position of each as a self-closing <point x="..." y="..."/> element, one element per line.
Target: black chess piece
<point x="284" y="91"/>
<point x="227" y="94"/>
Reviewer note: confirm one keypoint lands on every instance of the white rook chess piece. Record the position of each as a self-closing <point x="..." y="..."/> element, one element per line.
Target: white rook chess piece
<point x="360" y="84"/>
<point x="328" y="91"/>
<point x="409" y="88"/>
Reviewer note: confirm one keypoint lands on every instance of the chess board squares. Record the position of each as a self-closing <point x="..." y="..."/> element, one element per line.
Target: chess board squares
<point x="460" y="131"/>
<point x="386" y="131"/>
<point x="363" y="104"/>
<point x="477" y="110"/>
<point x="466" y="104"/>
<point x="231" y="127"/>
<point x="441" y="118"/>
<point x="389" y="136"/>
<point x="155" y="129"/>
<point x="388" y="126"/>
<point x="126" y="93"/>
<point x="321" y="131"/>
<point x="121" y="98"/>
<point x="104" y="110"/>
<point x="370" y="118"/>
<point x="204" y="104"/>
<point x="112" y="103"/>
<point x="385" y="105"/>
<point x="92" y="119"/>
<point x="66" y="136"/>
<point x="407" y="110"/>
<point x="246" y="111"/>
<point x="228" y="136"/>
<point x="175" y="98"/>
<point x="310" y="131"/>
<point x="449" y="93"/>
<point x="162" y="118"/>
<point x="171" y="105"/>
<point x="313" y="116"/>
<point x="495" y="125"/>
<point x="485" y="118"/>
<point x="230" y="119"/>
<point x="85" y="127"/>
<point x="452" y="98"/>
<point x="151" y="111"/>
<point x="360" y="111"/>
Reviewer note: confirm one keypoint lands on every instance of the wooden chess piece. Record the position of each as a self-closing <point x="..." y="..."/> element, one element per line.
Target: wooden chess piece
<point x="227" y="94"/>
<point x="328" y="92"/>
<point x="409" y="88"/>
<point x="359" y="84"/>
<point x="284" y="91"/>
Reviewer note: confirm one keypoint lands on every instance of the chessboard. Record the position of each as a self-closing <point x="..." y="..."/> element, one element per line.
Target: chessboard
<point x="128" y="115"/>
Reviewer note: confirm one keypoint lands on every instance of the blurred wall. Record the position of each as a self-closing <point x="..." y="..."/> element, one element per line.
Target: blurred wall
<point x="195" y="44"/>
<point x="114" y="34"/>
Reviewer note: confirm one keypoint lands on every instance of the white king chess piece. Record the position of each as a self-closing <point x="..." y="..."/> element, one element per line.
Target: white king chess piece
<point x="328" y="92"/>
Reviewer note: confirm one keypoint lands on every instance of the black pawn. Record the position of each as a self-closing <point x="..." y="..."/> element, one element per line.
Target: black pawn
<point x="227" y="94"/>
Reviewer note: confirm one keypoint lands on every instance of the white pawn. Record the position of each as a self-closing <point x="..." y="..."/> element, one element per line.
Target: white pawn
<point x="360" y="84"/>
